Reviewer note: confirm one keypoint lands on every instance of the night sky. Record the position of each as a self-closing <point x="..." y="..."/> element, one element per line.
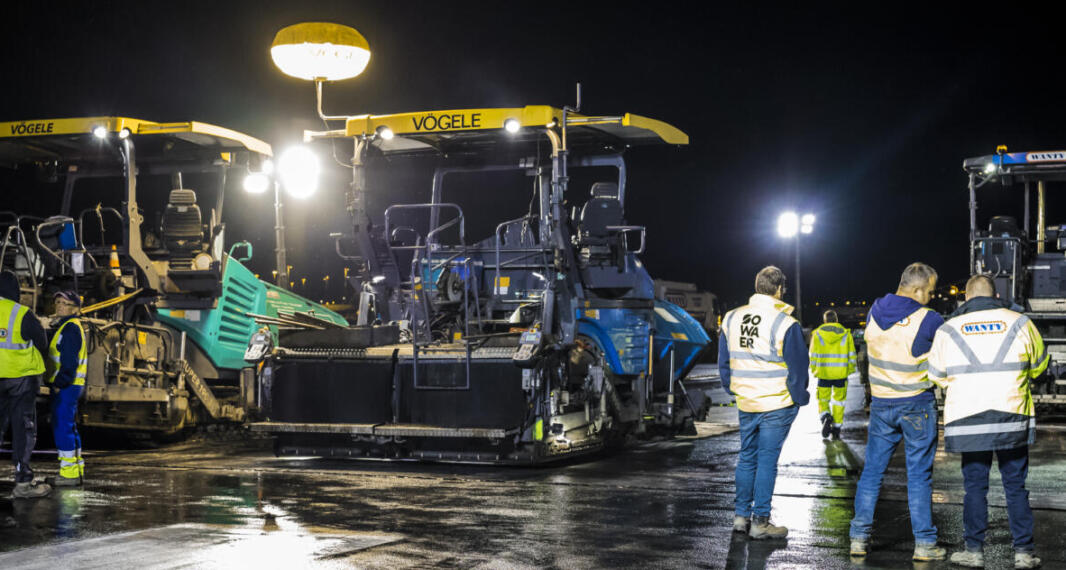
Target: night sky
<point x="861" y="118"/>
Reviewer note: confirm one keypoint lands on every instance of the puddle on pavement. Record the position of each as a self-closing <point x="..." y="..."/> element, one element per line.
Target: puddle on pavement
<point x="277" y="544"/>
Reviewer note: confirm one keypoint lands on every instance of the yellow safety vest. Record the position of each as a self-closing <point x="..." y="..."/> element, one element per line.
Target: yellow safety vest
<point x="83" y="353"/>
<point x="755" y="334"/>
<point x="894" y="372"/>
<point x="832" y="352"/>
<point x="984" y="361"/>
<point x="18" y="356"/>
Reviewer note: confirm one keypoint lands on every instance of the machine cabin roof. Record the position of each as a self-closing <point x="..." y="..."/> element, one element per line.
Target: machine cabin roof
<point x="72" y="141"/>
<point x="474" y="130"/>
<point x="1014" y="167"/>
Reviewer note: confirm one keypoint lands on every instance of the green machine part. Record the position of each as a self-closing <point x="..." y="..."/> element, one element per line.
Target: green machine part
<point x="223" y="332"/>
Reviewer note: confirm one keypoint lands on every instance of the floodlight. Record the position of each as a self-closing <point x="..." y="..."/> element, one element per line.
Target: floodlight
<point x="256" y="183"/>
<point x="320" y="51"/>
<point x="100" y="132"/>
<point x="512" y="125"/>
<point x="787" y="224"/>
<point x="386" y="133"/>
<point x="123" y="133"/>
<point x="990" y="168"/>
<point x="806" y="229"/>
<point x="298" y="170"/>
<point x="807" y="220"/>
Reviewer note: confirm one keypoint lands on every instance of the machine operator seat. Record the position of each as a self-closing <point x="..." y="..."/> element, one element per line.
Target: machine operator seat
<point x="602" y="210"/>
<point x="1004" y="226"/>
<point x="183" y="230"/>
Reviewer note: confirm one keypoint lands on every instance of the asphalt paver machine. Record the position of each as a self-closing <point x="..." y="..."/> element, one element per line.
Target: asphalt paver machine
<point x="168" y="312"/>
<point x="1027" y="260"/>
<point x="540" y="340"/>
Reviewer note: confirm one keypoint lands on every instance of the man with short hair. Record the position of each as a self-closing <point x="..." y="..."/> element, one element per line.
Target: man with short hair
<point x="898" y="336"/>
<point x="70" y="361"/>
<point x="22" y="342"/>
<point x="984" y="358"/>
<point x="762" y="360"/>
<point x="833" y="359"/>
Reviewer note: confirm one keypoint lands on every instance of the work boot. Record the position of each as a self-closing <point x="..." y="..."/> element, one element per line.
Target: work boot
<point x="740" y="524"/>
<point x="836" y="433"/>
<point x="969" y="558"/>
<point x="927" y="552"/>
<point x="30" y="490"/>
<point x="858" y="547"/>
<point x="827" y="425"/>
<point x="1026" y="560"/>
<point x="762" y="527"/>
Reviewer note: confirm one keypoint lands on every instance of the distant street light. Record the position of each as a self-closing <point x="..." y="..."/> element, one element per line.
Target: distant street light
<point x="790" y="225"/>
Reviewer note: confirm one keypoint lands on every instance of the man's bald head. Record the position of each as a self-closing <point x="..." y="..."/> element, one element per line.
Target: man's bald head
<point x="980" y="286"/>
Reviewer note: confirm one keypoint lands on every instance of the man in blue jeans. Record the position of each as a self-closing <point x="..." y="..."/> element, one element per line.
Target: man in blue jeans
<point x="898" y="338"/>
<point x="762" y="360"/>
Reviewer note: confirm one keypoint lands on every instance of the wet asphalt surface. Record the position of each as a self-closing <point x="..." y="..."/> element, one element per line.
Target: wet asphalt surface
<point x="229" y="503"/>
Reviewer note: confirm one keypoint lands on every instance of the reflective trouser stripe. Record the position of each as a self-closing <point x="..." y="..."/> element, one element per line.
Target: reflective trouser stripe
<point x="831" y="401"/>
<point x="984" y="429"/>
<point x="900" y="387"/>
<point x="68" y="464"/>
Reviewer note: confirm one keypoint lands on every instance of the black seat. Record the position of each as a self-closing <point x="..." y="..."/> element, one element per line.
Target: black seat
<point x="1004" y="226"/>
<point x="183" y="231"/>
<point x="601" y="211"/>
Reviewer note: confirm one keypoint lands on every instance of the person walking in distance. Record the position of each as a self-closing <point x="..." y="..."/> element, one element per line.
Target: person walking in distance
<point x="762" y="359"/>
<point x="833" y="359"/>
<point x="903" y="408"/>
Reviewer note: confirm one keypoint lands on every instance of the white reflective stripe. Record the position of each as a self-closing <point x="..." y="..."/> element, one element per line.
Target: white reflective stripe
<point x="836" y="403"/>
<point x="80" y="375"/>
<point x="981" y="429"/>
<point x="900" y="387"/>
<point x="756" y="356"/>
<point x="760" y="373"/>
<point x="826" y="355"/>
<point x="898" y="367"/>
<point x="961" y="343"/>
<point x="1008" y="340"/>
<point x="7" y="344"/>
<point x="68" y="454"/>
<point x="979" y="368"/>
<point x="773" y="329"/>
<point x="829" y="364"/>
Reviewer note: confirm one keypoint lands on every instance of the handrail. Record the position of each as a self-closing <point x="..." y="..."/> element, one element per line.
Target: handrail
<point x="25" y="253"/>
<point x="99" y="211"/>
<point x="496" y="280"/>
<point x="626" y="229"/>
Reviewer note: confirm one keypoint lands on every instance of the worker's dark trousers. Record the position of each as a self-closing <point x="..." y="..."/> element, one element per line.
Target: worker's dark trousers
<point x="18" y="405"/>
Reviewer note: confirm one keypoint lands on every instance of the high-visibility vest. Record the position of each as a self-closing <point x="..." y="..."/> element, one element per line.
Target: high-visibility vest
<point x="984" y="361"/>
<point x="18" y="356"/>
<point x="756" y="337"/>
<point x="894" y="372"/>
<point x="832" y="352"/>
<point x="83" y="353"/>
